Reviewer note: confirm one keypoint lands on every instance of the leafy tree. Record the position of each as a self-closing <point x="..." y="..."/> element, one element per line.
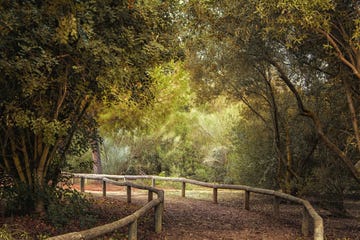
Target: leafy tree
<point x="336" y="25"/>
<point x="58" y="58"/>
<point x="223" y="59"/>
<point x="251" y="41"/>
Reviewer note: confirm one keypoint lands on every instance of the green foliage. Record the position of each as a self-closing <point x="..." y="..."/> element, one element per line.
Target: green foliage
<point x="115" y="156"/>
<point x="11" y="233"/>
<point x="252" y="162"/>
<point x="58" y="59"/>
<point x="19" y="199"/>
<point x="62" y="205"/>
<point x="183" y="141"/>
<point x="68" y="205"/>
<point x="248" y="49"/>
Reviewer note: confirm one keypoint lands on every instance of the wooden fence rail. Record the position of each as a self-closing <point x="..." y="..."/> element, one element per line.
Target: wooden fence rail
<point x="130" y="221"/>
<point x="308" y="212"/>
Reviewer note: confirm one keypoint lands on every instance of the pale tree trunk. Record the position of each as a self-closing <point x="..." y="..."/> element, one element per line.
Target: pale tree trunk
<point x="353" y="62"/>
<point x="353" y="118"/>
<point x="95" y="153"/>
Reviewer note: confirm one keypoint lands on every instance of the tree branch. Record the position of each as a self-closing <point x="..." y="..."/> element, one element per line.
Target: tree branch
<point x="341" y="56"/>
<point x="318" y="125"/>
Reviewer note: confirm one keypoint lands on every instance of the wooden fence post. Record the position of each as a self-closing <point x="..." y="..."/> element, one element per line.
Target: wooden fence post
<point x="133" y="231"/>
<point x="82" y="184"/>
<point x="153" y="182"/>
<point x="215" y="195"/>
<point x="150" y="196"/>
<point x="183" y="187"/>
<point x="247" y="200"/>
<point x="128" y="193"/>
<point x="159" y="211"/>
<point x="276" y="207"/>
<point x="104" y="188"/>
<point x="305" y="223"/>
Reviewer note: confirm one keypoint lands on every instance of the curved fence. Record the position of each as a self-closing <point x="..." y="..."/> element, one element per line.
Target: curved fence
<point x="130" y="221"/>
<point x="310" y="216"/>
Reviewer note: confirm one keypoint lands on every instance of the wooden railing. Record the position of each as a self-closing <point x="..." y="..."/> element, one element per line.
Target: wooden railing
<point x="308" y="212"/>
<point x="131" y="220"/>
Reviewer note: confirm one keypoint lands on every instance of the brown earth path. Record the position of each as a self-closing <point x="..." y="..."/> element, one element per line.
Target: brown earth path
<point x="196" y="217"/>
<point x="187" y="218"/>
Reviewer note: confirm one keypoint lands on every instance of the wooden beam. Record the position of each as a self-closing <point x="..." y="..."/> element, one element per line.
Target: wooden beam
<point x="276" y="207"/>
<point x="104" y="188"/>
<point x="133" y="231"/>
<point x="82" y="184"/>
<point x="128" y="194"/>
<point x="183" y="189"/>
<point x="215" y="195"/>
<point x="159" y="212"/>
<point x="247" y="200"/>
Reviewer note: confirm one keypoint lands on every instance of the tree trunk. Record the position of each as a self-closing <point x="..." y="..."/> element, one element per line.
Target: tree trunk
<point x="352" y="110"/>
<point x="95" y="153"/>
<point x="288" y="176"/>
<point x="318" y="126"/>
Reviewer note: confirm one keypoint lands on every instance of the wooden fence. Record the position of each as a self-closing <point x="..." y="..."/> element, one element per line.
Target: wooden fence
<point x="309" y="213"/>
<point x="130" y="221"/>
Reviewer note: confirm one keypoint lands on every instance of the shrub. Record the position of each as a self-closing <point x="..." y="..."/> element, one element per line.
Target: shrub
<point x="12" y="233"/>
<point x="62" y="205"/>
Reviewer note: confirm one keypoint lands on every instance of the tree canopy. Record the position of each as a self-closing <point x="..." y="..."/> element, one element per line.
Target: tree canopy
<point x="209" y="89"/>
<point x="58" y="58"/>
<point x="264" y="48"/>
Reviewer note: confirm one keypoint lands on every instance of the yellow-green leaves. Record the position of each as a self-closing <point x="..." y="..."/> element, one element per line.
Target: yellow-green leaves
<point x="356" y="33"/>
<point x="295" y="18"/>
<point x="50" y="130"/>
<point x="20" y="118"/>
<point x="67" y="29"/>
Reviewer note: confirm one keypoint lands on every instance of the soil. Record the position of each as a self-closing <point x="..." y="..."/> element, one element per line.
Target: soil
<point x="196" y="217"/>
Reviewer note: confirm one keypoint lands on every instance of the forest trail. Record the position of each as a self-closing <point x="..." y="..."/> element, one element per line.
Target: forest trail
<point x="187" y="218"/>
<point x="196" y="217"/>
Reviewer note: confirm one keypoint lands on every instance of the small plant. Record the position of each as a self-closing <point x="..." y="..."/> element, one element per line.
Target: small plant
<point x="68" y="205"/>
<point x="5" y="234"/>
<point x="12" y="233"/>
<point x="18" y="199"/>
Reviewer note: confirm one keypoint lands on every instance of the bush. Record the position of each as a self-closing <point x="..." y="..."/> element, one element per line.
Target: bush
<point x="68" y="205"/>
<point x="18" y="199"/>
<point x="62" y="205"/>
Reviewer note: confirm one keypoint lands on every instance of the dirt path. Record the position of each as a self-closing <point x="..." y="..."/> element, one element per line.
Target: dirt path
<point x="200" y="219"/>
<point x="197" y="218"/>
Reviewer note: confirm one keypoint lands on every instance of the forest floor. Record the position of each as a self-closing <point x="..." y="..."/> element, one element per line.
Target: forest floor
<point x="197" y="218"/>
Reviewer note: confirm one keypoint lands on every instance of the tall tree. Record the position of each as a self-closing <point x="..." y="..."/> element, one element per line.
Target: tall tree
<point x="224" y="59"/>
<point x="57" y="58"/>
<point x="336" y="26"/>
<point x="281" y="34"/>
